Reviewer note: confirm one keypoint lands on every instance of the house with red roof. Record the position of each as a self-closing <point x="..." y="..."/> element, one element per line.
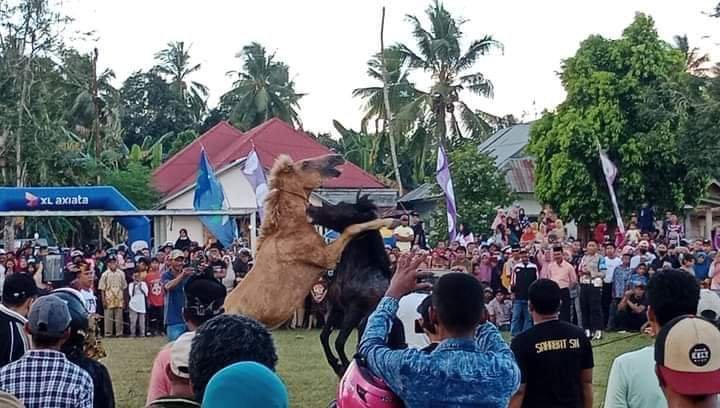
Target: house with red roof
<point x="227" y="148"/>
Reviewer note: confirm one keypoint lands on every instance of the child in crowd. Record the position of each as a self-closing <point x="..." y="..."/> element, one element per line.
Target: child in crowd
<point x="632" y="236"/>
<point x="138" y="293"/>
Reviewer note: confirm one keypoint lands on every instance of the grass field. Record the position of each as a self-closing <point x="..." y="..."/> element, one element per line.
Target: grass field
<point x="302" y="366"/>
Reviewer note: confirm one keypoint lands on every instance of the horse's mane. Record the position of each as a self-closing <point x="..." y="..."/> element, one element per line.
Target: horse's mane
<point x="280" y="174"/>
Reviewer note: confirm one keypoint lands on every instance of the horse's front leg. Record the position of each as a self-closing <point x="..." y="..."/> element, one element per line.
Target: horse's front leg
<point x="335" y="248"/>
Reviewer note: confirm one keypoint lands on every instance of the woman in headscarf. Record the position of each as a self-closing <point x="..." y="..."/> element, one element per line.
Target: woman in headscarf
<point x="245" y="384"/>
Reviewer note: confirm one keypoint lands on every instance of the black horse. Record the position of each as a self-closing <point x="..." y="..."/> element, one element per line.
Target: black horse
<point x="361" y="277"/>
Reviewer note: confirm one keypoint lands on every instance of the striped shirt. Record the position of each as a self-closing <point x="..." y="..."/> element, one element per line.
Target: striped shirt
<point x="13" y="340"/>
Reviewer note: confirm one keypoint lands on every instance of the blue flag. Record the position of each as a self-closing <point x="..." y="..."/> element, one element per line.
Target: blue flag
<point x="209" y="195"/>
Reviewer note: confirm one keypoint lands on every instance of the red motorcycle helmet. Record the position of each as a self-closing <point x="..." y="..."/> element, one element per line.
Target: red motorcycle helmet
<point x="359" y="388"/>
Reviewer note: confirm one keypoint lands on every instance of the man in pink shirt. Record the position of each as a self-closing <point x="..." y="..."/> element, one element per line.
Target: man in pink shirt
<point x="204" y="298"/>
<point x="562" y="273"/>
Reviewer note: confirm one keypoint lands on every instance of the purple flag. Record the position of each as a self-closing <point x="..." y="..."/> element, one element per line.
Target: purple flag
<point x="610" y="171"/>
<point x="442" y="175"/>
<point x="256" y="176"/>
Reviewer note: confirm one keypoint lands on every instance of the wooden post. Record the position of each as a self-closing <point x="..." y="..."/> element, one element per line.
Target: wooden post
<point x="253" y="232"/>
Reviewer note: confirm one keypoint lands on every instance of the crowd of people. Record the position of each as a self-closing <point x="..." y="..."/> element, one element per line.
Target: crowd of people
<point x="553" y="294"/>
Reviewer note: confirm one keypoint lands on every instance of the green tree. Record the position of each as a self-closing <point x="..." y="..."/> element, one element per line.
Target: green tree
<point x="150" y="107"/>
<point x="263" y="90"/>
<point x="627" y="96"/>
<point x="135" y="183"/>
<point x="440" y="54"/>
<point x="694" y="60"/>
<point x="174" y="63"/>
<point x="479" y="189"/>
<point x="179" y="142"/>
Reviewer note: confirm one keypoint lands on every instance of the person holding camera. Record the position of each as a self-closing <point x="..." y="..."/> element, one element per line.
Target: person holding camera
<point x="470" y="350"/>
<point x="173" y="281"/>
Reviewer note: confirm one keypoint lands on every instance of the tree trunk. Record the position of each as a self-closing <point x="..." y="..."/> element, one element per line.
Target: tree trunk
<point x="96" y="108"/>
<point x="388" y="111"/>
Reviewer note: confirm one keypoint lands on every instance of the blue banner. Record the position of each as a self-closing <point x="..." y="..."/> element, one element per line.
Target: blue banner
<point x="209" y="195"/>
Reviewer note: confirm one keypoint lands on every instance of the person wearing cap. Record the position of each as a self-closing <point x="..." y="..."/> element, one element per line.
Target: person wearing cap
<point x="511" y="257"/>
<point x="632" y="381"/>
<point x="19" y="293"/>
<point x="404" y="234"/>
<point x="522" y="276"/>
<point x="631" y="309"/>
<point x="242" y="264"/>
<point x="173" y="281"/>
<point x="555" y="357"/>
<point x="112" y="286"/>
<point x="204" y="300"/>
<point x="44" y="377"/>
<point x="687" y="358"/>
<point x="180" y="392"/>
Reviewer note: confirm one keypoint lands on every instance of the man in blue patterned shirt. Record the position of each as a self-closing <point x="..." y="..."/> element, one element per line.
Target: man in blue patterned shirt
<point x="43" y="377"/>
<point x="472" y="366"/>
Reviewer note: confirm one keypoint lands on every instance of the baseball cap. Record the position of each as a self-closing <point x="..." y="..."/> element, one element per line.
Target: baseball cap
<point x="112" y="257"/>
<point x="204" y="297"/>
<point x="176" y="253"/>
<point x="687" y="354"/>
<point x="49" y="316"/>
<point x="180" y="355"/>
<point x="75" y="253"/>
<point x="18" y="287"/>
<point x="2" y="251"/>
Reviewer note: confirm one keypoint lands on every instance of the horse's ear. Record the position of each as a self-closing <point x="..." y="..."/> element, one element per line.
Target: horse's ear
<point x="283" y="164"/>
<point x="365" y="203"/>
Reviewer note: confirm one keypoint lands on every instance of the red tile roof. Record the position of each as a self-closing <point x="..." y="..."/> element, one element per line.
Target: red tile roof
<point x="225" y="144"/>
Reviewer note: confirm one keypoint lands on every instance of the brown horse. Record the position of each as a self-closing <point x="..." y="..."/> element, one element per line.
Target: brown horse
<point x="291" y="255"/>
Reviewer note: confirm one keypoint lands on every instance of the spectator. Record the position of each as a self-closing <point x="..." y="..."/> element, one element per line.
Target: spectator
<point x="427" y="326"/>
<point x="409" y="313"/>
<point x="511" y="258"/>
<point x="83" y="283"/>
<point x="562" y="272"/>
<point x="137" y="293"/>
<point x="552" y="346"/>
<point x="180" y="391"/>
<point x="461" y="263"/>
<point x="173" y="281"/>
<point x="43" y="377"/>
<point x="183" y="242"/>
<point x="112" y="285"/>
<point x="687" y="263"/>
<point x="621" y="278"/>
<point x="260" y="387"/>
<point x="403" y="234"/>
<point x="612" y="261"/>
<point x="689" y="379"/>
<point x="639" y="277"/>
<point x="226" y="340"/>
<point x="592" y="272"/>
<point x="631" y="309"/>
<point x="500" y="310"/>
<point x="675" y="231"/>
<point x="632" y="235"/>
<point x="643" y="256"/>
<point x="523" y="275"/>
<point x="632" y="381"/>
<point x="155" y="299"/>
<point x="204" y="299"/>
<point x="646" y="218"/>
<point x="483" y="370"/>
<point x="701" y="266"/>
<point x="75" y="346"/>
<point x="242" y="264"/>
<point x="19" y="292"/>
<point x="420" y="239"/>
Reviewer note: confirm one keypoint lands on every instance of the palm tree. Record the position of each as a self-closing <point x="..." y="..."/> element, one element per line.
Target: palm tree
<point x="262" y="91"/>
<point x="439" y="53"/>
<point x="174" y="62"/>
<point x="694" y="61"/>
<point x="401" y="90"/>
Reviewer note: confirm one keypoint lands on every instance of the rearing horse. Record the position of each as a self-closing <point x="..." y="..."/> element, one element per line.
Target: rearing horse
<point x="291" y="255"/>
<point x="360" y="279"/>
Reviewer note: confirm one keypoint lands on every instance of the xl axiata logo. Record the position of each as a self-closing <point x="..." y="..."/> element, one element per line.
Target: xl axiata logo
<point x="33" y="201"/>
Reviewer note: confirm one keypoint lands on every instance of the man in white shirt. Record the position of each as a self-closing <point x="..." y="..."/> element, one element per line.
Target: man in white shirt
<point x="643" y="255"/>
<point x="612" y="261"/>
<point x="632" y="382"/>
<point x="404" y="234"/>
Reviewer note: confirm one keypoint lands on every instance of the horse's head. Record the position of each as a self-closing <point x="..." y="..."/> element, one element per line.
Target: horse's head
<point x="341" y="215"/>
<point x="305" y="175"/>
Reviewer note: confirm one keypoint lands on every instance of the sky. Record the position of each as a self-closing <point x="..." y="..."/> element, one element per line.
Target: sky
<point x="327" y="43"/>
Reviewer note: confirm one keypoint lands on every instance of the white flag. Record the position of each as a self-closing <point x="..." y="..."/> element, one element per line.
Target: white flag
<point x="610" y="171"/>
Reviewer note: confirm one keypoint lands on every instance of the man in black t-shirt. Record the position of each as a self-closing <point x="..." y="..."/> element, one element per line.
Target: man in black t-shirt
<point x="554" y="356"/>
